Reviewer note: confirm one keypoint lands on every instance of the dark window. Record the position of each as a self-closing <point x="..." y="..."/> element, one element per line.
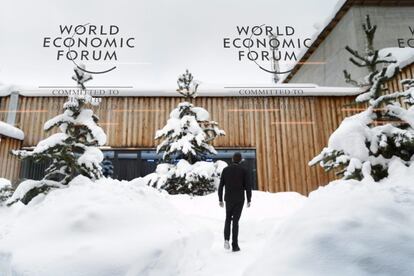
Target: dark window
<point x="130" y="164"/>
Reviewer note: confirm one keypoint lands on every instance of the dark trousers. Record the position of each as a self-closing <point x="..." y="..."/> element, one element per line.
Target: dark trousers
<point x="233" y="213"/>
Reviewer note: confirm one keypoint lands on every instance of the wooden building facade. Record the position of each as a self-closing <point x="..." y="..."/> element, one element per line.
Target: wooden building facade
<point x="9" y="164"/>
<point x="285" y="131"/>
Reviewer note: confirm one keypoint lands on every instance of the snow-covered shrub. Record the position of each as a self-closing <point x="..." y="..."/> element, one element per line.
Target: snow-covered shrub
<point x="29" y="189"/>
<point x="72" y="151"/>
<point x="6" y="190"/>
<point x="364" y="144"/>
<point x="200" y="178"/>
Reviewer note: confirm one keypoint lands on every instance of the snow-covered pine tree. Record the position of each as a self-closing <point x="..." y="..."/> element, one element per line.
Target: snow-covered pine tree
<point x="72" y="151"/>
<point x="365" y="143"/>
<point x="189" y="130"/>
<point x="186" y="137"/>
<point x="187" y="134"/>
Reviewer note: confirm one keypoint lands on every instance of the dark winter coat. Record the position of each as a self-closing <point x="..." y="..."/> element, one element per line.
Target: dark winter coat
<point x="235" y="180"/>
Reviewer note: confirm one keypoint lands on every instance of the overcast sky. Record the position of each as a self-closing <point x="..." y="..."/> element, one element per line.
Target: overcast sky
<point x="170" y="36"/>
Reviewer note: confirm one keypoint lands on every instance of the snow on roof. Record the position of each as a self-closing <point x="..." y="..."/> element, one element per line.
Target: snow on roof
<point x="5" y="90"/>
<point x="205" y="90"/>
<point x="11" y="131"/>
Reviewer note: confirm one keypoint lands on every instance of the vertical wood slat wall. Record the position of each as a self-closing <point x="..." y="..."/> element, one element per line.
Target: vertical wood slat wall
<point x="286" y="132"/>
<point x="395" y="84"/>
<point x="4" y="104"/>
<point x="9" y="164"/>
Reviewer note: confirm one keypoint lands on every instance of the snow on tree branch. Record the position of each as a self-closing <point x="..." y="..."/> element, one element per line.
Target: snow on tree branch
<point x="366" y="143"/>
<point x="187" y="133"/>
<point x="72" y="151"/>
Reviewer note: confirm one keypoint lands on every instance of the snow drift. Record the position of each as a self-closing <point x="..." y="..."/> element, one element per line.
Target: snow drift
<point x="118" y="228"/>
<point x="129" y="229"/>
<point x="103" y="228"/>
<point x="347" y="228"/>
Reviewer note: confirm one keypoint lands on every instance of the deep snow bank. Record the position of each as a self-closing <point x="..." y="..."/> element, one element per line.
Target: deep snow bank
<point x="104" y="228"/>
<point x="347" y="228"/>
<point x="126" y="228"/>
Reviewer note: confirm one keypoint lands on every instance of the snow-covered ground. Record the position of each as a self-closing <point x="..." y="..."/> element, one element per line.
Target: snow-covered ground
<point x="126" y="228"/>
<point x="104" y="228"/>
<point x="268" y="211"/>
<point x="347" y="228"/>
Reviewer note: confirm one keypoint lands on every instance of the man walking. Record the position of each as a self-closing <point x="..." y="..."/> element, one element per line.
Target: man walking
<point x="235" y="180"/>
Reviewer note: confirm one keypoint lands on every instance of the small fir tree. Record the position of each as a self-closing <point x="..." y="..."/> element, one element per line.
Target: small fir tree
<point x="187" y="136"/>
<point x="72" y="151"/>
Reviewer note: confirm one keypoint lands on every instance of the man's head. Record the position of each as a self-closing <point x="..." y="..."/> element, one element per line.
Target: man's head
<point x="237" y="157"/>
